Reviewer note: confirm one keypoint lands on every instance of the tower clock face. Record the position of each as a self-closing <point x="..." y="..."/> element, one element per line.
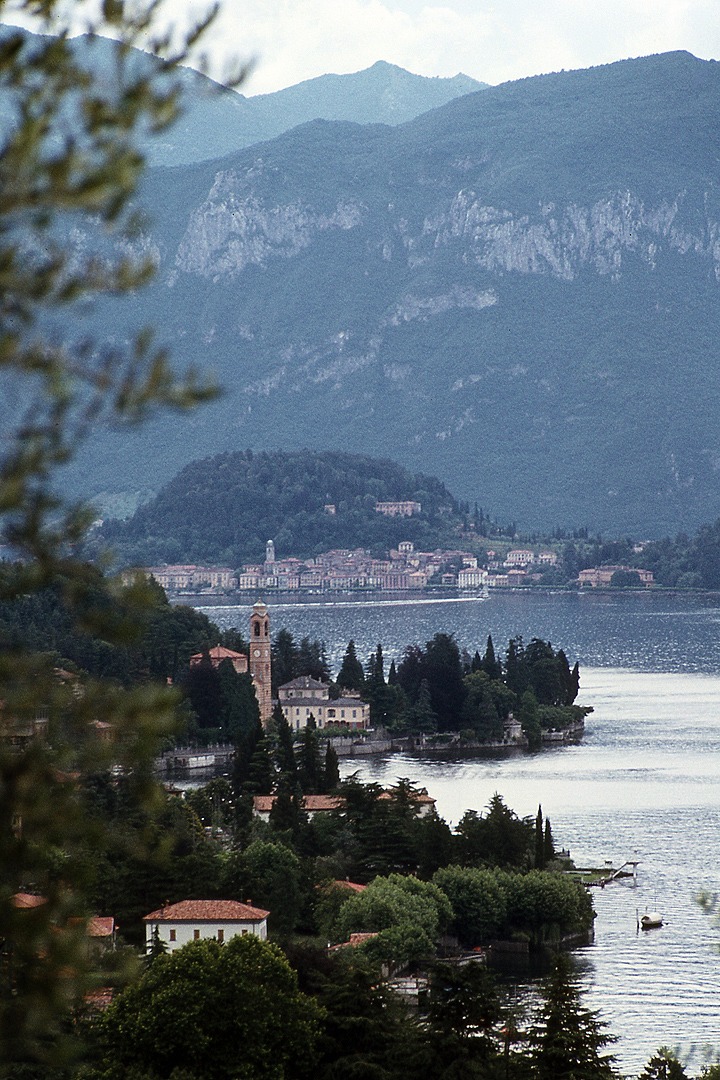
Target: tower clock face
<point x="257" y="652"/>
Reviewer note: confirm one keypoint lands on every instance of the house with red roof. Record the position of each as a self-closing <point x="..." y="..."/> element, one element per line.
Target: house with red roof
<point x="194" y="920"/>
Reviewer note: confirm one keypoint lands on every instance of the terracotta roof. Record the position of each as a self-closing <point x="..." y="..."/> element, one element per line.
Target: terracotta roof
<point x="353" y="885"/>
<point x="355" y="939"/>
<point x="264" y="803"/>
<point x="97" y="926"/>
<point x="219" y="652"/>
<point x="27" y="900"/>
<point x="207" y="911"/>
<point x="98" y="1000"/>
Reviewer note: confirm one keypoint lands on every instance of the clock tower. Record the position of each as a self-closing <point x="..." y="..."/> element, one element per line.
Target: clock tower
<point x="260" y="662"/>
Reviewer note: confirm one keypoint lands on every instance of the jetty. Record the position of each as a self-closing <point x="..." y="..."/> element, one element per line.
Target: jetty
<point x="599" y="877"/>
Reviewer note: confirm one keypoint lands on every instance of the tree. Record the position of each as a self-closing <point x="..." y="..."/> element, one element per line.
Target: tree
<point x="351" y="676"/>
<point x="268" y="873"/>
<point x="68" y="158"/>
<point x="464" y="1006"/>
<point x="443" y="671"/>
<point x="284" y="747"/>
<point x="568" y="1040"/>
<point x="664" y="1065"/>
<point x="331" y="777"/>
<point x="478" y="902"/>
<point x="406" y="913"/>
<point x="489" y="664"/>
<point x="310" y="771"/>
<point x="239" y="708"/>
<point x="202" y="684"/>
<point x="220" y="1012"/>
<point x="539" y="841"/>
<point x="284" y="658"/>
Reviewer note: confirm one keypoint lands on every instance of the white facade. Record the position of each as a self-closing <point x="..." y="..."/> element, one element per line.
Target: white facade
<point x="304" y="696"/>
<point x="196" y="920"/>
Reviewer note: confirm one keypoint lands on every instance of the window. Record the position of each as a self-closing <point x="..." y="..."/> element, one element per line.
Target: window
<point x="221" y="935"/>
<point x="173" y="936"/>
<point x="196" y="935"/>
<point x="342" y="713"/>
<point x="354" y="713"/>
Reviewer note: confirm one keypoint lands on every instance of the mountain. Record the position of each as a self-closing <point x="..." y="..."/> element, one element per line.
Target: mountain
<point x="218" y="121"/>
<point x="215" y="120"/>
<point x="517" y="292"/>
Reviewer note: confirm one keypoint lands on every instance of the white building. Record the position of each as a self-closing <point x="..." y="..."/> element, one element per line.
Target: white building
<point x="472" y="578"/>
<point x="303" y="696"/>
<point x="519" y="558"/>
<point x="195" y="920"/>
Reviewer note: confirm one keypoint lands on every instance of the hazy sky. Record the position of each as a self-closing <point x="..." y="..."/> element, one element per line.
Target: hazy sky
<point x="491" y="40"/>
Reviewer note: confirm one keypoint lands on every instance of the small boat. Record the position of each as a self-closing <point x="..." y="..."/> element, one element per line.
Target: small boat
<point x="651" y="920"/>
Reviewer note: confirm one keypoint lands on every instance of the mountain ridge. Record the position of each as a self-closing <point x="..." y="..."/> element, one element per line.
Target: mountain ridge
<point x="518" y="289"/>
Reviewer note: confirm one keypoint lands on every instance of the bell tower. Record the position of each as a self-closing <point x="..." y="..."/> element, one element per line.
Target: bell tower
<point x="260" y="662"/>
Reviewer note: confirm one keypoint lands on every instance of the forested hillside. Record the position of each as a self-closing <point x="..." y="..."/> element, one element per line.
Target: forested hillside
<point x="224" y="509"/>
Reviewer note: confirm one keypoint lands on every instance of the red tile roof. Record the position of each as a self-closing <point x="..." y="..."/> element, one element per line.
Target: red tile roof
<point x="355" y="939"/>
<point x="219" y="652"/>
<point x="27" y="900"/>
<point x="264" y="803"/>
<point x="97" y="925"/>
<point x="207" y="911"/>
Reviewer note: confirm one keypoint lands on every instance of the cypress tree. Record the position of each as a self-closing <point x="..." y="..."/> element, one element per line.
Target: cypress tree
<point x="539" y="841"/>
<point x="351" y="676"/>
<point x="490" y="664"/>
<point x="548" y="843"/>
<point x="310" y="771"/>
<point x="284" y="747"/>
<point x="331" y="777"/>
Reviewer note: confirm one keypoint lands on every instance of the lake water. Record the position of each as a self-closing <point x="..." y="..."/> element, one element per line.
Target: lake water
<point x="642" y="784"/>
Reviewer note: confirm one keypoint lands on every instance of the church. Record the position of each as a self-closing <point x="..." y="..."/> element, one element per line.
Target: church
<point x="258" y="663"/>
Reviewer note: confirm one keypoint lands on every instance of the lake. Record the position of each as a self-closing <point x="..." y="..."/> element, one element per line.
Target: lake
<point x="643" y="783"/>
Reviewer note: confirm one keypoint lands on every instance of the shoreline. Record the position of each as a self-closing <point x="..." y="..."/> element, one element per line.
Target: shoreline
<point x="439" y="594"/>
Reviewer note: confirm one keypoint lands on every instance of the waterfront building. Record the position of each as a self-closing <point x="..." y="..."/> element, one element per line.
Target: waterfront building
<point x="302" y="697"/>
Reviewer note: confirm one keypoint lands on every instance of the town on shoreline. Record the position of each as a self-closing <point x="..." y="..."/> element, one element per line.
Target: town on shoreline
<point x="404" y="570"/>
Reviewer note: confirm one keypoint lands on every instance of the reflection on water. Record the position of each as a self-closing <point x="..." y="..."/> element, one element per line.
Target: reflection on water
<point x="642" y="784"/>
<point x="644" y="780"/>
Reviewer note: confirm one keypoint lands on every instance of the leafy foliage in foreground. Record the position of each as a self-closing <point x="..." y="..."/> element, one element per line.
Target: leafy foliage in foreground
<point x="216" y="1012"/>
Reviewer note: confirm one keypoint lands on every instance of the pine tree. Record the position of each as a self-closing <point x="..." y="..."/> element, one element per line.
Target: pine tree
<point x="664" y="1065"/>
<point x="567" y="1041"/>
